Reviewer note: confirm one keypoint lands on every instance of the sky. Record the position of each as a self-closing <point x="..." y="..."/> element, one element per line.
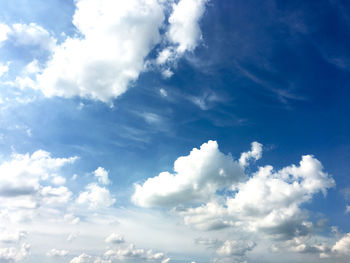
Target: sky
<point x="184" y="131"/>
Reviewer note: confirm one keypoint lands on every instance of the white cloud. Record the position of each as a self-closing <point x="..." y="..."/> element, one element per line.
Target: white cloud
<point x="55" y="196"/>
<point x="4" y="29"/>
<point x="102" y="176"/>
<point x="163" y="92"/>
<point x="32" y="67"/>
<point x="32" y="35"/>
<point x="83" y="258"/>
<point x="95" y="197"/>
<point x="58" y="180"/>
<point x="269" y="202"/>
<point x="167" y="73"/>
<point x="235" y="248"/>
<point x="197" y="177"/>
<point x="183" y="33"/>
<point x="131" y="252"/>
<point x="109" y="56"/>
<point x="342" y="246"/>
<point x="57" y="253"/>
<point x="3" y="68"/>
<point x="114" y="239"/>
<point x="184" y="30"/>
<point x="12" y="237"/>
<point x="22" y="174"/>
<point x="12" y="254"/>
<point x="254" y="153"/>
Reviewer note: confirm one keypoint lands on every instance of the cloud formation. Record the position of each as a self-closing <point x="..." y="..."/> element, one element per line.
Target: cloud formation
<point x="112" y="47"/>
<point x="267" y="202"/>
<point x="197" y="177"/>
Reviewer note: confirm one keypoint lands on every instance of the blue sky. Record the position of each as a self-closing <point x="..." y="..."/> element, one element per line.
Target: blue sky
<point x="174" y="131"/>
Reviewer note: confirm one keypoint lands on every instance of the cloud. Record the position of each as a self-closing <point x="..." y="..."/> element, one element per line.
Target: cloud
<point x="268" y="202"/>
<point x="197" y="177"/>
<point x="22" y="174"/>
<point x="83" y="258"/>
<point x="4" y="30"/>
<point x="342" y="246"/>
<point x="12" y="237"/>
<point x="102" y="176"/>
<point x="163" y="92"/>
<point x="12" y="254"/>
<point x="57" y="253"/>
<point x="60" y="195"/>
<point x="114" y="239"/>
<point x="58" y="180"/>
<point x="235" y="248"/>
<point x="254" y="153"/>
<point x="211" y="191"/>
<point x="113" y="45"/>
<point x="184" y="30"/>
<point x="31" y="35"/>
<point x="183" y="33"/>
<point x="131" y="252"/>
<point x="116" y="37"/>
<point x="95" y="197"/>
<point x="3" y="68"/>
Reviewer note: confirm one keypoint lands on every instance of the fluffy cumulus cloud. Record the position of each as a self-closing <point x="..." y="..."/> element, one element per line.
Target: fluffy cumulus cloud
<point x="22" y="175"/>
<point x="114" y="239"/>
<point x="342" y="246"/>
<point x="83" y="258"/>
<point x="131" y="252"/>
<point x="115" y="42"/>
<point x="122" y="252"/>
<point x="196" y="177"/>
<point x="4" y="30"/>
<point x="235" y="248"/>
<point x="267" y="202"/>
<point x="101" y="64"/>
<point x="30" y="35"/>
<point x="12" y="254"/>
<point x="95" y="197"/>
<point x="184" y="30"/>
<point x="254" y="153"/>
<point x="11" y="237"/>
<point x="3" y="68"/>
<point x="102" y="175"/>
<point x="183" y="33"/>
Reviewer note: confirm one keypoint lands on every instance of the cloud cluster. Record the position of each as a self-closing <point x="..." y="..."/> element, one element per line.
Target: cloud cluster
<point x="112" y="47"/>
<point x="12" y="254"/>
<point x="122" y="251"/>
<point x="102" y="175"/>
<point x="183" y="33"/>
<point x="29" y="35"/>
<point x="267" y="202"/>
<point x="95" y="197"/>
<point x="21" y="176"/>
<point x="197" y="177"/>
